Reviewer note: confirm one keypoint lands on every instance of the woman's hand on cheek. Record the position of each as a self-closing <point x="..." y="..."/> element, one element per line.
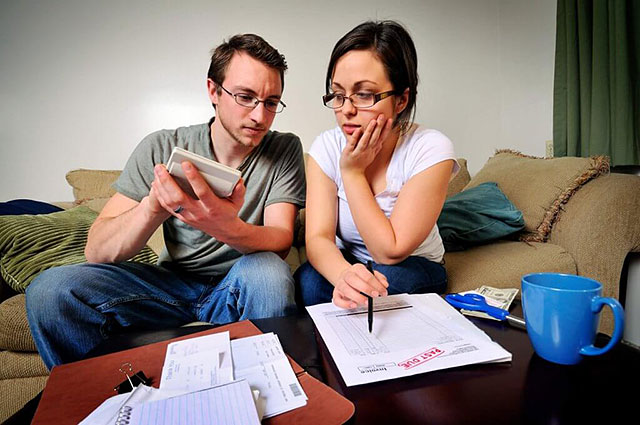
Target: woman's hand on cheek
<point x="363" y="147"/>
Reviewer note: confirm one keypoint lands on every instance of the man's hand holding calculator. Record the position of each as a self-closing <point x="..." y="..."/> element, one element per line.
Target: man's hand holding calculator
<point x="206" y="196"/>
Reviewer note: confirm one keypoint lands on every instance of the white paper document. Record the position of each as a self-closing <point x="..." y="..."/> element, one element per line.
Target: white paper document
<point x="412" y="334"/>
<point x="261" y="361"/>
<point x="197" y="384"/>
<point x="230" y="404"/>
<point x="197" y="363"/>
<point x="119" y="405"/>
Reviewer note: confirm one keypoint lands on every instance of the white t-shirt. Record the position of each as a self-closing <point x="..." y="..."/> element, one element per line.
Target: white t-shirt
<point x="417" y="150"/>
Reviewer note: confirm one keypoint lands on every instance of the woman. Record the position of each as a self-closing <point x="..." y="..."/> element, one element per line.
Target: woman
<point x="377" y="182"/>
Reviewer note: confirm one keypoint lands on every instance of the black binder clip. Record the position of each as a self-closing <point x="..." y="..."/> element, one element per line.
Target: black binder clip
<point x="132" y="381"/>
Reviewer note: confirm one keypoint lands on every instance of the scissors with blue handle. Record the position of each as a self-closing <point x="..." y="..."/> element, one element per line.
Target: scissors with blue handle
<point x="477" y="302"/>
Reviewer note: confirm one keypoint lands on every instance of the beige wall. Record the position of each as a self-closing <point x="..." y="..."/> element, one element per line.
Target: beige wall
<point x="81" y="82"/>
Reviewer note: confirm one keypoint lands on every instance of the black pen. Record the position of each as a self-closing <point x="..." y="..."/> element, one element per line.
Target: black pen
<point x="370" y="300"/>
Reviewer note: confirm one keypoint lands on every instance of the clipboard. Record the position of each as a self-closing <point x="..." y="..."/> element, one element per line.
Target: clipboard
<point x="74" y="390"/>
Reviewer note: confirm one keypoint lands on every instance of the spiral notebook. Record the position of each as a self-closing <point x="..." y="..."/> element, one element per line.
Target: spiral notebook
<point x="230" y="403"/>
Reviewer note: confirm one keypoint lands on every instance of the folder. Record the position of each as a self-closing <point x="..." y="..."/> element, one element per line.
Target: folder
<point x="74" y="390"/>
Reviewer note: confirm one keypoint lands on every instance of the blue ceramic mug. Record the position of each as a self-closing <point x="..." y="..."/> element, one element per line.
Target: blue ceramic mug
<point x="562" y="314"/>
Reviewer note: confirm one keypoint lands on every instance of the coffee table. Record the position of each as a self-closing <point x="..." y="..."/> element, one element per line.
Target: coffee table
<point x="529" y="390"/>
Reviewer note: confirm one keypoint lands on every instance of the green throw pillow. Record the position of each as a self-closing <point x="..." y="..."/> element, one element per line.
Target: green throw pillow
<point x="476" y="216"/>
<point x="30" y="244"/>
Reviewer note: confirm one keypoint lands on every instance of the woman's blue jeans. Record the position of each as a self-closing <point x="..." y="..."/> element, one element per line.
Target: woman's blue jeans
<point x="414" y="275"/>
<point x="71" y="309"/>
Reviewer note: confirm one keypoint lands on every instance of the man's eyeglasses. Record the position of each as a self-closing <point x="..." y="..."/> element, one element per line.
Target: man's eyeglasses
<point x="358" y="100"/>
<point x="248" y="101"/>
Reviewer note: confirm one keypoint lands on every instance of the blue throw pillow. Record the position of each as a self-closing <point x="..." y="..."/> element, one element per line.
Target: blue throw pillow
<point x="476" y="216"/>
<point x="26" y="206"/>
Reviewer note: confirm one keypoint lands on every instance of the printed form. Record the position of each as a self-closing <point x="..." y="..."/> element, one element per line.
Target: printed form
<point x="412" y="334"/>
<point x="197" y="363"/>
<point x="260" y="360"/>
<point x="197" y="385"/>
<point x="190" y="365"/>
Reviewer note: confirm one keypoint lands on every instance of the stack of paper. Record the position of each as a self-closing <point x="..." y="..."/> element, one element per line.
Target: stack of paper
<point x="197" y="363"/>
<point x="261" y="361"/>
<point x="198" y="386"/>
<point x="412" y="334"/>
<point x="190" y="366"/>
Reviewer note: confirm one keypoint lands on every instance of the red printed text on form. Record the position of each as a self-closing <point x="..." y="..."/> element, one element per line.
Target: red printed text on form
<point x="417" y="360"/>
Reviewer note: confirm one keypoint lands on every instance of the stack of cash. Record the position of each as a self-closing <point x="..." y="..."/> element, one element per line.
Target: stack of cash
<point x="496" y="297"/>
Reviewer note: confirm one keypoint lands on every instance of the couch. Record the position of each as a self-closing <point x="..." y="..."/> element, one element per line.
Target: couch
<point x="579" y="219"/>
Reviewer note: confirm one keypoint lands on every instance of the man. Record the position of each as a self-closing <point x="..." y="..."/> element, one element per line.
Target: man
<point x="223" y="257"/>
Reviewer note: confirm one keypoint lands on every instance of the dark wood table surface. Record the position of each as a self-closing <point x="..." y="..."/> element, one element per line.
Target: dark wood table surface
<point x="528" y="390"/>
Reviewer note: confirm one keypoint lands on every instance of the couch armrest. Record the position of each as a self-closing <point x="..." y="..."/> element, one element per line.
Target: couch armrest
<point x="599" y="226"/>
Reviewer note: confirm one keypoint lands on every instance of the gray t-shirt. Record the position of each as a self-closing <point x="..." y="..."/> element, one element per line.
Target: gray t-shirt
<point x="273" y="173"/>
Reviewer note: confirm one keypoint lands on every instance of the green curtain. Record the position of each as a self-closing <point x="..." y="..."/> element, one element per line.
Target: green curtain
<point x="596" y="99"/>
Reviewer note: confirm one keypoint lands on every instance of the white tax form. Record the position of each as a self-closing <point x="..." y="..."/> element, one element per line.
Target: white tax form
<point x="197" y="363"/>
<point x="261" y="361"/>
<point x="412" y="334"/>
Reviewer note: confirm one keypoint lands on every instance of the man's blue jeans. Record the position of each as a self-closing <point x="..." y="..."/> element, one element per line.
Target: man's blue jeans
<point x="71" y="309"/>
<point x="414" y="275"/>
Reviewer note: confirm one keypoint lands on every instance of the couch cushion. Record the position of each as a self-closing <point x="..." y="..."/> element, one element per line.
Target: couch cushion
<point x="90" y="184"/>
<point x="460" y="180"/>
<point x="302" y="253"/>
<point x="14" y="328"/>
<point x="293" y="259"/>
<point x="17" y="392"/>
<point x="30" y="244"/>
<point x="21" y="365"/>
<point x="539" y="186"/>
<point x="502" y="264"/>
<point x="94" y="204"/>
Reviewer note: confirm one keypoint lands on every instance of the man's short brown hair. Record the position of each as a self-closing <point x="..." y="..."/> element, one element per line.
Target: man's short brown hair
<point x="252" y="44"/>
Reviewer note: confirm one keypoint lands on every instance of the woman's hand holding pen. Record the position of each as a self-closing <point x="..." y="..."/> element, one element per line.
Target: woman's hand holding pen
<point x="356" y="280"/>
<point x="362" y="147"/>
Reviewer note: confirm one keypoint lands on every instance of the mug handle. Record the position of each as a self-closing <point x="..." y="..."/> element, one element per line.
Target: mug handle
<point x="618" y="317"/>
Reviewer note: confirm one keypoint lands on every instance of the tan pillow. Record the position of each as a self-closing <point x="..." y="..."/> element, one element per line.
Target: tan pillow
<point x="539" y="186"/>
<point x="89" y="184"/>
<point x="460" y="180"/>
